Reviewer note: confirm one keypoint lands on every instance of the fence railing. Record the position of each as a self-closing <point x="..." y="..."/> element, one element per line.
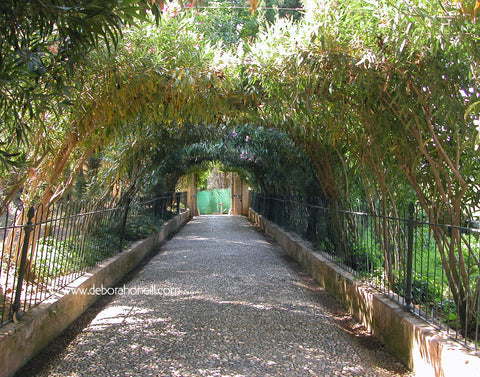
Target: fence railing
<point x="401" y="256"/>
<point x="43" y="249"/>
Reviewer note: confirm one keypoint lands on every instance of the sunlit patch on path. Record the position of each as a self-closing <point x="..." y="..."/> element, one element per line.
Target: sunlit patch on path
<point x="240" y="307"/>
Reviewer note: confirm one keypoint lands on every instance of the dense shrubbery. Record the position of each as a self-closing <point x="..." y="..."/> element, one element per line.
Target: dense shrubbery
<point x="56" y="256"/>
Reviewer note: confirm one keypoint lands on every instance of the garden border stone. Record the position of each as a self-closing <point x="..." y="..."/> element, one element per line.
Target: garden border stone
<point x="421" y="347"/>
<point x="19" y="342"/>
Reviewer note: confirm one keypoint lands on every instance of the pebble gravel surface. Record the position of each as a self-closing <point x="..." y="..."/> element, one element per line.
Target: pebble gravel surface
<point x="218" y="299"/>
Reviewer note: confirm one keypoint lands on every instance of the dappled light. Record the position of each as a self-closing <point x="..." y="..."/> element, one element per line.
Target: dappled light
<point x="236" y="309"/>
<point x="359" y="109"/>
<point x="119" y="315"/>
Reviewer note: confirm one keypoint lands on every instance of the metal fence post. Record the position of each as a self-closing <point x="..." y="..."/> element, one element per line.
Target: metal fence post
<point x="285" y="214"/>
<point x="177" y="196"/>
<point x="124" y="223"/>
<point x="155" y="208"/>
<point x="410" y="225"/>
<point x="23" y="261"/>
<point x="264" y="207"/>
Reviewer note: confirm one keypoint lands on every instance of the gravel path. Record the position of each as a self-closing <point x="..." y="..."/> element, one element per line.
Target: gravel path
<point x="219" y="299"/>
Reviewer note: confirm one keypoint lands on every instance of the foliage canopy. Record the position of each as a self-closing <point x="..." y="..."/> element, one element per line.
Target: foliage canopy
<point x="380" y="98"/>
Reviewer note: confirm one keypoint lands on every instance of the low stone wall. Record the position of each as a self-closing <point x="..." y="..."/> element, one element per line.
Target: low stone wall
<point x="19" y="342"/>
<point x="425" y="350"/>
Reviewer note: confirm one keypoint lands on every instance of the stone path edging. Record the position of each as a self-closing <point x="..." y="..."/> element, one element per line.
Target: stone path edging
<point x="421" y="347"/>
<point x="19" y="342"/>
<point x="218" y="299"/>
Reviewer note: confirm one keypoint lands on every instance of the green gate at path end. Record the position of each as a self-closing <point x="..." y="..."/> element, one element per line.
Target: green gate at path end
<point x="208" y="202"/>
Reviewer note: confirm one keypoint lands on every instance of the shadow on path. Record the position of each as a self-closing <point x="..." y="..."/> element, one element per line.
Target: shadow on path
<point x="219" y="299"/>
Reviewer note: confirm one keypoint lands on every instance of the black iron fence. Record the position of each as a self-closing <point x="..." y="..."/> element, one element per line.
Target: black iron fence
<point x="43" y="249"/>
<point x="430" y="269"/>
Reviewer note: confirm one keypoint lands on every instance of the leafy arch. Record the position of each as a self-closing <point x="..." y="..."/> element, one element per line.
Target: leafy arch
<point x="266" y="158"/>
